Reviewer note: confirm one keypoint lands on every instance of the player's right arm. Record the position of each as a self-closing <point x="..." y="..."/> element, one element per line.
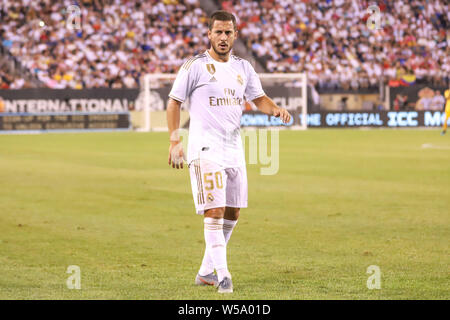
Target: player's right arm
<point x="176" y="153"/>
<point x="182" y="88"/>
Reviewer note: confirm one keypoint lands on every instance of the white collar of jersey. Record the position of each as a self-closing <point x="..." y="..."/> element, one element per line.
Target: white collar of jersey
<point x="229" y="59"/>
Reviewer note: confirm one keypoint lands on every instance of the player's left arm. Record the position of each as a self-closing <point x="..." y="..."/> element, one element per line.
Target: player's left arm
<point x="268" y="106"/>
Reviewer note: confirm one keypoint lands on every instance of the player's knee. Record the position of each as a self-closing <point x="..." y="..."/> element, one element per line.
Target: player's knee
<point x="232" y="213"/>
<point x="216" y="213"/>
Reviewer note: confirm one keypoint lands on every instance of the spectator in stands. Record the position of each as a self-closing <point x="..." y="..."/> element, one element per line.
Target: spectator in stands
<point x="401" y="102"/>
<point x="342" y="105"/>
<point x="438" y="101"/>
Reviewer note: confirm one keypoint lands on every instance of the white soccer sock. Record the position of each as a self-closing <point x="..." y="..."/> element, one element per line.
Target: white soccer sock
<point x="216" y="247"/>
<point x="228" y="226"/>
<point x="207" y="264"/>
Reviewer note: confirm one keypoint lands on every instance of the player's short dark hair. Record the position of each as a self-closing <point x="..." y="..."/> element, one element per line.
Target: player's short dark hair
<point x="222" y="15"/>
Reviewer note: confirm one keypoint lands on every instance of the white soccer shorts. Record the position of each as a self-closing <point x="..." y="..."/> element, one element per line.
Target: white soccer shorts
<point x="214" y="186"/>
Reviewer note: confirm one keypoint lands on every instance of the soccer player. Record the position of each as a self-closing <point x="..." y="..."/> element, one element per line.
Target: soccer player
<point x="216" y="83"/>
<point x="447" y="110"/>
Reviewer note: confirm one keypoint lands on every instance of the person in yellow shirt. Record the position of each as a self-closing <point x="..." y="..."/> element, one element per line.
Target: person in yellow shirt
<point x="447" y="110"/>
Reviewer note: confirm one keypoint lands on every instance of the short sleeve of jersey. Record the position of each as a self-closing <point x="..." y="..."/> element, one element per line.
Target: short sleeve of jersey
<point x="254" y="88"/>
<point x="183" y="84"/>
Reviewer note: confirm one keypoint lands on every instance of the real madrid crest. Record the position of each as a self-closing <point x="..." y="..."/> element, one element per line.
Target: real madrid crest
<point x="240" y="80"/>
<point x="211" y="68"/>
<point x="210" y="197"/>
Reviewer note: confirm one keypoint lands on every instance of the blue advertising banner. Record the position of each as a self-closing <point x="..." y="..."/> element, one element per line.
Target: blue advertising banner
<point x="342" y="119"/>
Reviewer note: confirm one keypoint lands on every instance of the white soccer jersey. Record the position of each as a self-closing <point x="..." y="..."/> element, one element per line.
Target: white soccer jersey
<point x="216" y="91"/>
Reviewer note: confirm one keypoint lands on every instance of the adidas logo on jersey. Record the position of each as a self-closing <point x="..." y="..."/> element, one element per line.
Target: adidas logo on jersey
<point x="213" y="79"/>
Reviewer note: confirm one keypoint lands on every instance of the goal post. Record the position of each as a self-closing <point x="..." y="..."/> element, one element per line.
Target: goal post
<point x="288" y="90"/>
<point x="151" y="98"/>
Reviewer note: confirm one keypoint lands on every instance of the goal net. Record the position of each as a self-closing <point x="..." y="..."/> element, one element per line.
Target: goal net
<point x="287" y="90"/>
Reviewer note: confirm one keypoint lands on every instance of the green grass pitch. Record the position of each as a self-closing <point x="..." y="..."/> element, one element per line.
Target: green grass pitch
<point x="342" y="200"/>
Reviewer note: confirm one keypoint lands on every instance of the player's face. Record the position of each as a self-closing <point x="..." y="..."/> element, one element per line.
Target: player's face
<point x="222" y="36"/>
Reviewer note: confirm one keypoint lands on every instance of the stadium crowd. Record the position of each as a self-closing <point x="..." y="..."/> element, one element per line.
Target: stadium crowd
<point x="114" y="42"/>
<point x="330" y="40"/>
<point x="101" y="43"/>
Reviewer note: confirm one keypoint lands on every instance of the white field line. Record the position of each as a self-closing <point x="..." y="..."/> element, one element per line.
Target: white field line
<point x="432" y="146"/>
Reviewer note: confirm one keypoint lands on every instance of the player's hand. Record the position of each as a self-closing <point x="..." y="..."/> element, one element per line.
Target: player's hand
<point x="283" y="114"/>
<point x="176" y="155"/>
